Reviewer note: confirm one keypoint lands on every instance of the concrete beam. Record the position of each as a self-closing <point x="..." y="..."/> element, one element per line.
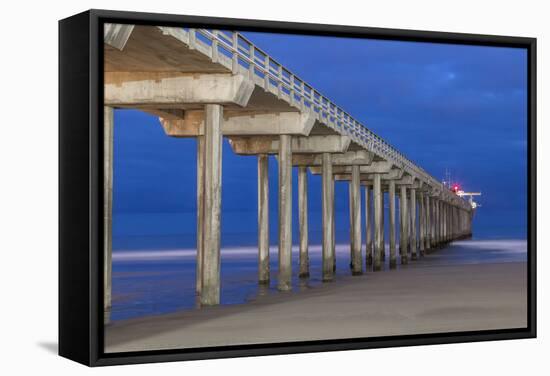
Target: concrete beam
<point x="305" y="145"/>
<point x="116" y="35"/>
<point x="367" y="179"/>
<point x="350" y="158"/>
<point x="379" y="168"/>
<point x="406" y="180"/>
<point x="394" y="174"/>
<point x="239" y="124"/>
<point x="164" y="89"/>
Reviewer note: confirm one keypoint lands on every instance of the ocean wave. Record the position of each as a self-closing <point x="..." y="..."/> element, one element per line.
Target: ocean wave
<point x="502" y="246"/>
<point x="226" y="252"/>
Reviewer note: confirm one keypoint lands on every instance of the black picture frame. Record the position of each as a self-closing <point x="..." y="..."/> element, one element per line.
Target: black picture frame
<point x="80" y="187"/>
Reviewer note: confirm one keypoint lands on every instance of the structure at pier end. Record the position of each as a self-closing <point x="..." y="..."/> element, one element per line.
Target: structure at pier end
<point x="210" y="84"/>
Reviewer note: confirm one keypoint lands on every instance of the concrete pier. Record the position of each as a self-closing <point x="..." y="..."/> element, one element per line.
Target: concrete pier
<point x="403" y="225"/>
<point x="355" y="209"/>
<point x="303" y="221"/>
<point x="391" y="197"/>
<point x="328" y="218"/>
<point x="108" y="133"/>
<point x="368" y="226"/>
<point x="413" y="244"/>
<point x="378" y="225"/>
<point x="210" y="289"/>
<point x="285" y="214"/>
<point x="199" y="92"/>
<point x="263" y="219"/>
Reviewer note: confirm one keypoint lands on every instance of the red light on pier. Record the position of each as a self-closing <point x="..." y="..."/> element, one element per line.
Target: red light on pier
<point x="455" y="188"/>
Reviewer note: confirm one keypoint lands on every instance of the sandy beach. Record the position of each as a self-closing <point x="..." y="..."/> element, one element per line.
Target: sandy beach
<point x="412" y="300"/>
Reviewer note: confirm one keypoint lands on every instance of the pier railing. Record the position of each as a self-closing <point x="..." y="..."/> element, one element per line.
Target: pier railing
<point x="240" y="55"/>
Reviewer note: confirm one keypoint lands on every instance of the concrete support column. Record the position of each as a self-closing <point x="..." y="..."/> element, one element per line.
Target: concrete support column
<point x="428" y="223"/>
<point x="383" y="255"/>
<point x="263" y="219"/>
<point x="443" y="226"/>
<point x="470" y="222"/>
<point x="333" y="228"/>
<point x="435" y="242"/>
<point x="200" y="213"/>
<point x="449" y="223"/>
<point x="403" y="221"/>
<point x="453" y="213"/>
<point x="210" y="289"/>
<point x="285" y="213"/>
<point x="422" y="220"/>
<point x="441" y="218"/>
<point x="459" y="217"/>
<point x="451" y="231"/>
<point x="465" y="223"/>
<point x="436" y="221"/>
<point x="460" y="223"/>
<point x="355" y="208"/>
<point x="303" y="222"/>
<point x="413" y="245"/>
<point x="328" y="218"/>
<point x="368" y="225"/>
<point x="453" y="223"/>
<point x="439" y="224"/>
<point x="460" y="229"/>
<point x="378" y="226"/>
<point x="445" y="223"/>
<point x="108" y="138"/>
<point x="391" y="196"/>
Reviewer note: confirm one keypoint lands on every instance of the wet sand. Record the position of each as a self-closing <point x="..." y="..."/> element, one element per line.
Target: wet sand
<point x="413" y="300"/>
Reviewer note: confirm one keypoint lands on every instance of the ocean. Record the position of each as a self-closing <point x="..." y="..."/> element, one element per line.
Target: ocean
<point x="156" y="281"/>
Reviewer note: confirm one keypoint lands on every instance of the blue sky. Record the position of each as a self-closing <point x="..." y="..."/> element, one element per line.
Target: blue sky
<point x="445" y="106"/>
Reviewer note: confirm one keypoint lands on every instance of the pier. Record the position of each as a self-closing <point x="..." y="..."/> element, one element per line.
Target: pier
<point x="211" y="84"/>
